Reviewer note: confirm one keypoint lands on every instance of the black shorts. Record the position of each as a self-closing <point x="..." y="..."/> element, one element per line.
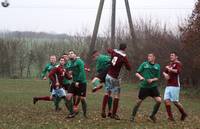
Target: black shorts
<point x="102" y="75"/>
<point x="148" y="92"/>
<point x="80" y="90"/>
<point x="66" y="86"/>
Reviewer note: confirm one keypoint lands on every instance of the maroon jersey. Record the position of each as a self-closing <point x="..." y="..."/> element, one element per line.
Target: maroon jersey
<point x="58" y="74"/>
<point x="118" y="59"/>
<point x="174" y="77"/>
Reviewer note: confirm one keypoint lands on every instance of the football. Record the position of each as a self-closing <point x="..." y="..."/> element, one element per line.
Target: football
<point x="5" y="4"/>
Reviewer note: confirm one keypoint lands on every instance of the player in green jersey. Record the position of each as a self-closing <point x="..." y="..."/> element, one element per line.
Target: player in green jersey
<point x="79" y="84"/>
<point x="148" y="73"/>
<point x="102" y="65"/>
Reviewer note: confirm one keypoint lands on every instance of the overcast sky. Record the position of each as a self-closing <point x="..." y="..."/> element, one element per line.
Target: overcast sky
<point x="72" y="16"/>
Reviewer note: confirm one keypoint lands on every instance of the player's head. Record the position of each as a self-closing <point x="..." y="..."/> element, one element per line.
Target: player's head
<point x="151" y="57"/>
<point x="62" y="60"/>
<point x="95" y="54"/>
<point x="53" y="59"/>
<point x="65" y="55"/>
<point x="122" y="46"/>
<point x="173" y="56"/>
<point x="72" y="55"/>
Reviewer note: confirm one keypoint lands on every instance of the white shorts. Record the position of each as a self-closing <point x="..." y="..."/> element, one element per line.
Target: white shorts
<point x="112" y="85"/>
<point x="172" y="93"/>
<point x="58" y="92"/>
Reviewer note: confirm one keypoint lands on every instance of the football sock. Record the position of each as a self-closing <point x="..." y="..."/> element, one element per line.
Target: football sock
<point x="74" y="99"/>
<point x="155" y="108"/>
<point x="56" y="101"/>
<point x="69" y="105"/>
<point x="45" y="98"/>
<point x="115" y="105"/>
<point x="84" y="106"/>
<point x="169" y="112"/>
<point x="110" y="103"/>
<point x="135" y="109"/>
<point x="104" y="103"/>
<point x="180" y="108"/>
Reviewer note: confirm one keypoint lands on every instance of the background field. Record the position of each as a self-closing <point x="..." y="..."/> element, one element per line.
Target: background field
<point x="18" y="112"/>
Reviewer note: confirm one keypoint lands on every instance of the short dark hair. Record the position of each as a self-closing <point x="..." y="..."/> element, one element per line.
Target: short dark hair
<point x="173" y="52"/>
<point x="61" y="58"/>
<point x="72" y="51"/>
<point x="151" y="53"/>
<point x="94" y="52"/>
<point x="122" y="46"/>
<point x="64" y="53"/>
<point x="52" y="55"/>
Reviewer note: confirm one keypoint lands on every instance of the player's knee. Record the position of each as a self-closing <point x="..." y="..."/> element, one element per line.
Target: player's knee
<point x="107" y="93"/>
<point x="139" y="101"/>
<point x="69" y="96"/>
<point x="167" y="102"/>
<point x="83" y="98"/>
<point x="159" y="100"/>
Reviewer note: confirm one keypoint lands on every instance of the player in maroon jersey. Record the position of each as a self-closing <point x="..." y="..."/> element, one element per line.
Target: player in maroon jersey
<point x="172" y="89"/>
<point x="112" y="85"/>
<point x="56" y="76"/>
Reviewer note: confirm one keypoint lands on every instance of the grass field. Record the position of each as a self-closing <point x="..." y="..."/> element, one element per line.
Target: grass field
<point x="18" y="112"/>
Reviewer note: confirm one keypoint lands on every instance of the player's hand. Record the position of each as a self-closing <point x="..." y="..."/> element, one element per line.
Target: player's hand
<point x="77" y="84"/>
<point x="142" y="79"/>
<point x="44" y="78"/>
<point x="166" y="76"/>
<point x="168" y="68"/>
<point x="149" y="81"/>
<point x="87" y="69"/>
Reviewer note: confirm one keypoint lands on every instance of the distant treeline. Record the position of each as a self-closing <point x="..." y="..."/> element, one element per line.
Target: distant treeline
<point x="24" y="54"/>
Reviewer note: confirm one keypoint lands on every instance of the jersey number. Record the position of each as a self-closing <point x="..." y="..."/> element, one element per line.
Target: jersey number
<point x="114" y="60"/>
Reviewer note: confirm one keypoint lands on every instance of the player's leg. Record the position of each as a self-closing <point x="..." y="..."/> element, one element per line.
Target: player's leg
<point x="56" y="100"/>
<point x="99" y="80"/>
<point x="60" y="94"/>
<point x="84" y="106"/>
<point x="76" y="99"/>
<point x="156" y="95"/>
<point x="82" y="95"/>
<point x="106" y="97"/>
<point x="116" y="103"/>
<point x="96" y="83"/>
<point x="167" y="97"/>
<point x="141" y="96"/>
<point x="56" y="97"/>
<point x="104" y="104"/>
<point x="181" y="109"/>
<point x="69" y="101"/>
<point x="43" y="98"/>
<point x="175" y="96"/>
<point x="110" y="101"/>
